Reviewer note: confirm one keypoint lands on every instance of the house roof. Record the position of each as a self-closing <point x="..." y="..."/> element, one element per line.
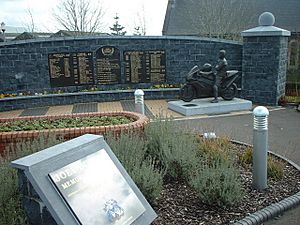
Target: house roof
<point x="185" y="17"/>
<point x="31" y="35"/>
<point x="68" y="33"/>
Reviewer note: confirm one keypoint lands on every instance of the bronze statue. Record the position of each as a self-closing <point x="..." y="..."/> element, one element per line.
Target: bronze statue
<point x="205" y="82"/>
<point x="220" y="73"/>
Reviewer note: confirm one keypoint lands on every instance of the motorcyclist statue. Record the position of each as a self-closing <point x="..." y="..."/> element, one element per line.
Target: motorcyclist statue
<point x="206" y="82"/>
<point x="220" y="73"/>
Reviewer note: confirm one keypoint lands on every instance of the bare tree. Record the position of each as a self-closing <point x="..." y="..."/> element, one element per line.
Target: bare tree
<point x="30" y="24"/>
<point x="79" y="16"/>
<point x="221" y="18"/>
<point x="140" y="27"/>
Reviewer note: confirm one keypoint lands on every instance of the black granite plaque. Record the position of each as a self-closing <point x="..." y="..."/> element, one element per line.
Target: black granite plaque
<point x="96" y="191"/>
<point x="145" y="66"/>
<point x="69" y="69"/>
<point x="157" y="66"/>
<point x="108" y="65"/>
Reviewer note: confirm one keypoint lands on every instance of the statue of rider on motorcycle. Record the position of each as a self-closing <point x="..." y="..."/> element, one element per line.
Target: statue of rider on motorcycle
<point x="220" y="73"/>
<point x="204" y="82"/>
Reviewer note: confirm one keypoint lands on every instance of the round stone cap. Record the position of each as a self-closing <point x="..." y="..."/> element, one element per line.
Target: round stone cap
<point x="139" y="92"/>
<point x="266" y="19"/>
<point x="260" y="111"/>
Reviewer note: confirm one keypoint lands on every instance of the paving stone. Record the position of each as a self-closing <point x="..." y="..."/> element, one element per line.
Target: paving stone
<point x="40" y="111"/>
<point x="85" y="107"/>
<point x="129" y="105"/>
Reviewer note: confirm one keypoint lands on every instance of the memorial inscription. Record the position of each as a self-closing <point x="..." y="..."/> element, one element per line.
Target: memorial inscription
<point x="145" y="66"/>
<point x="108" y="65"/>
<point x="69" y="69"/>
<point x="73" y="69"/>
<point x="96" y="201"/>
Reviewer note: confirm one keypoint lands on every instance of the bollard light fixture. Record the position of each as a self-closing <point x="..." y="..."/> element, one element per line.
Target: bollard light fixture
<point x="2" y="31"/>
<point x="139" y="101"/>
<point x="260" y="147"/>
<point x="3" y="28"/>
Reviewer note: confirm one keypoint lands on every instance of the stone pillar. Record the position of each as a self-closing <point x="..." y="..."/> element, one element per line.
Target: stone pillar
<point x="264" y="61"/>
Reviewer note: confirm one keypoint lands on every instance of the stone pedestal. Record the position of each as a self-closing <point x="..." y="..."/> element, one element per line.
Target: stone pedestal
<point x="264" y="62"/>
<point x="204" y="106"/>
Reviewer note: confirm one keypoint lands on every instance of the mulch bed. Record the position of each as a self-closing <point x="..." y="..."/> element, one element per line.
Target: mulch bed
<point x="179" y="203"/>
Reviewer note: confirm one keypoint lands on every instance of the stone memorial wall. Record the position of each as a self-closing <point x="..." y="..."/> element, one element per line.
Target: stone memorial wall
<point x="71" y="64"/>
<point x="132" y="62"/>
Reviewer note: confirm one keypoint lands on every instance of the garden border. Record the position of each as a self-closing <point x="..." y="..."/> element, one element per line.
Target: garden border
<point x="14" y="136"/>
<point x="274" y="209"/>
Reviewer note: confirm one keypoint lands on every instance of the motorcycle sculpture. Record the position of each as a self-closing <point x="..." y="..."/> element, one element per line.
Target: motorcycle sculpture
<point x="199" y="84"/>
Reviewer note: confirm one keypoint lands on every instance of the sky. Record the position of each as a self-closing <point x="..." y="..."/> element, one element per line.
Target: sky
<point x="15" y="13"/>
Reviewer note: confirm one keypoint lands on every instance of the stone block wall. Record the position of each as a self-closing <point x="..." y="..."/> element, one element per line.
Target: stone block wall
<point x="264" y="68"/>
<point x="283" y="63"/>
<point x="29" y="59"/>
<point x="262" y="60"/>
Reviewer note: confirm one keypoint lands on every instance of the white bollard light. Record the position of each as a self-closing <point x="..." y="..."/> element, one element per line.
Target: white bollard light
<point x="139" y="101"/>
<point x="260" y="147"/>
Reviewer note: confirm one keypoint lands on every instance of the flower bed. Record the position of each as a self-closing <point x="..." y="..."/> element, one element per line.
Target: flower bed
<point x="6" y="138"/>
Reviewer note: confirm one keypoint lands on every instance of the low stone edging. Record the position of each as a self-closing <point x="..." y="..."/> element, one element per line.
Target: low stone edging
<point x="7" y="138"/>
<point x="22" y="102"/>
<point x="274" y="209"/>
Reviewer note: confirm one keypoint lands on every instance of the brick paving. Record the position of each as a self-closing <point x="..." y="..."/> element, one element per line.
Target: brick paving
<point x="60" y="110"/>
<point x="85" y="107"/>
<point x="152" y="108"/>
<point x="129" y="105"/>
<point x="10" y="114"/>
<point x="160" y="108"/>
<point x="110" y="106"/>
<point x="39" y="111"/>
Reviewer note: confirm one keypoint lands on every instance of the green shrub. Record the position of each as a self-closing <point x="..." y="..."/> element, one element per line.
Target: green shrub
<point x="246" y="157"/>
<point x="155" y="134"/>
<point x="173" y="148"/>
<point x="218" y="184"/>
<point x="11" y="211"/>
<point x="131" y="151"/>
<point x="275" y="169"/>
<point x="10" y="208"/>
<point x="215" y="150"/>
<point x="149" y="179"/>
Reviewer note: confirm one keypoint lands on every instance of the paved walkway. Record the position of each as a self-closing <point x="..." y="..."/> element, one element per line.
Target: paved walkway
<point x="284" y="129"/>
<point x="152" y="108"/>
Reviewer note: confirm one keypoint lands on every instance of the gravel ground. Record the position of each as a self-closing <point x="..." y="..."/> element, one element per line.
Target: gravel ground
<point x="179" y="204"/>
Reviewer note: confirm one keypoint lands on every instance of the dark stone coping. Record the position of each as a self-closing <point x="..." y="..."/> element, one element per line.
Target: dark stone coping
<point x="91" y="37"/>
<point x="274" y="209"/>
<point x="23" y="102"/>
